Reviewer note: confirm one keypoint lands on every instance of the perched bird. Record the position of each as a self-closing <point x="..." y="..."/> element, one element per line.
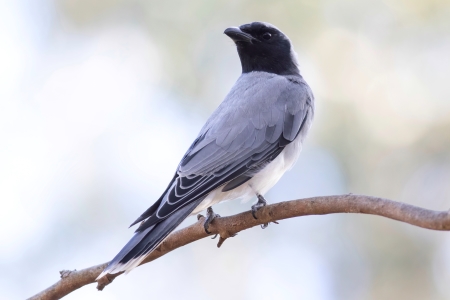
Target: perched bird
<point x="250" y="140"/>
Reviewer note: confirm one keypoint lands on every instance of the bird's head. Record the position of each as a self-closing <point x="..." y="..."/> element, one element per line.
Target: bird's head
<point x="263" y="47"/>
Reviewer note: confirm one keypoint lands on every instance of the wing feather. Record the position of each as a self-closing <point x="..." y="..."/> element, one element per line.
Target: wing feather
<point x="241" y="137"/>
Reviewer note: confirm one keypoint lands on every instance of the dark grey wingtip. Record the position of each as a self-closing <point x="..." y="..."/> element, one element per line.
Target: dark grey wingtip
<point x="137" y="221"/>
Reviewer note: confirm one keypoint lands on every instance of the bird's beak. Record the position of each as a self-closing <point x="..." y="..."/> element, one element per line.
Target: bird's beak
<point x="237" y="35"/>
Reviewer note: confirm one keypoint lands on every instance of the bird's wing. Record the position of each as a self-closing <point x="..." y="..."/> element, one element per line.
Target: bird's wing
<point x="260" y="116"/>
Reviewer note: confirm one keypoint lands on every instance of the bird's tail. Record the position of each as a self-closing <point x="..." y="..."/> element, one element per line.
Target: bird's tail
<point x="143" y="242"/>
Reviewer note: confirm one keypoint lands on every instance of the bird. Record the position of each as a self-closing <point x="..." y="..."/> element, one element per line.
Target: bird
<point x="253" y="137"/>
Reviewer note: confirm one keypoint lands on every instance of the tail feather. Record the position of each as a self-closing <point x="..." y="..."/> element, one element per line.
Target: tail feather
<point x="143" y="242"/>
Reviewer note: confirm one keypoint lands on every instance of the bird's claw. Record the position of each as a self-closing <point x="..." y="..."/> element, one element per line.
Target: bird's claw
<point x="210" y="216"/>
<point x="261" y="203"/>
<point x="265" y="225"/>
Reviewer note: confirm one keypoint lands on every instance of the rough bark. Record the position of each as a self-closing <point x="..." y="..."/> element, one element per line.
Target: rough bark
<point x="229" y="226"/>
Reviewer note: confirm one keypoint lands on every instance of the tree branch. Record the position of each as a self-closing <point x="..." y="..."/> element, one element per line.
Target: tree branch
<point x="228" y="226"/>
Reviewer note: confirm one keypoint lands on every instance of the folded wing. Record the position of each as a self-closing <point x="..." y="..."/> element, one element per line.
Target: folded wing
<point x="260" y="116"/>
<point x="248" y="130"/>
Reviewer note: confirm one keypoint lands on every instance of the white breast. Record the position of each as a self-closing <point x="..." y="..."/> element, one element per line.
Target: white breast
<point x="265" y="179"/>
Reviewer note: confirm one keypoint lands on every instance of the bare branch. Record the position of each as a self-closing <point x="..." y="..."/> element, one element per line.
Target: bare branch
<point x="229" y="226"/>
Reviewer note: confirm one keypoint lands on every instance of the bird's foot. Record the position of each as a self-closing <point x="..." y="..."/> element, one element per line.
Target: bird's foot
<point x="66" y="273"/>
<point x="265" y="225"/>
<point x="261" y="203"/>
<point x="210" y="216"/>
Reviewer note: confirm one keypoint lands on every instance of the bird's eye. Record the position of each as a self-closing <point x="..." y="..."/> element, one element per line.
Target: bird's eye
<point x="266" y="36"/>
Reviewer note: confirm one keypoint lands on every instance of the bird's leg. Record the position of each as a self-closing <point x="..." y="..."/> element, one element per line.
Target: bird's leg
<point x="261" y="203"/>
<point x="210" y="216"/>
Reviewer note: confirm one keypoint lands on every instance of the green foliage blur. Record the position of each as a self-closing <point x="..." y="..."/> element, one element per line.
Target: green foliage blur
<point x="380" y="74"/>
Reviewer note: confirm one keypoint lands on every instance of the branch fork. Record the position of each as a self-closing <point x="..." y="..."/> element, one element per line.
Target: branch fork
<point x="216" y="230"/>
<point x="228" y="227"/>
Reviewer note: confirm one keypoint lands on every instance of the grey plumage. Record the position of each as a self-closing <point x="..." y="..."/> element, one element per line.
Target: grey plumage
<point x="250" y="120"/>
<point x="237" y="152"/>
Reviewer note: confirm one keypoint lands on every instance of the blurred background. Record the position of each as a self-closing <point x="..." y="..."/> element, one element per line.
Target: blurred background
<point x="100" y="99"/>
